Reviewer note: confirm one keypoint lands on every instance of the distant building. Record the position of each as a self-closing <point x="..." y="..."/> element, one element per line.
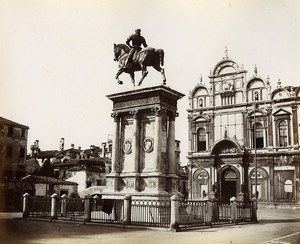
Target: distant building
<point x="13" y="144"/>
<point x="181" y="171"/>
<point x="43" y="186"/>
<point x="238" y="125"/>
<point x="13" y="147"/>
<point x="87" y="168"/>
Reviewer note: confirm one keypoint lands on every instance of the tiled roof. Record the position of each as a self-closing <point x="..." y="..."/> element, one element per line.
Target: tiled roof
<point x="78" y="162"/>
<point x="46" y="154"/>
<point x="45" y="179"/>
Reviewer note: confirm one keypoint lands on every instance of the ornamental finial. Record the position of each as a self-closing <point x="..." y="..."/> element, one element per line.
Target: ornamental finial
<point x="226" y="52"/>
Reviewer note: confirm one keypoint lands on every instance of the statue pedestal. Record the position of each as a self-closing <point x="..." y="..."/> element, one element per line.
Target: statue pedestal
<point x="143" y="158"/>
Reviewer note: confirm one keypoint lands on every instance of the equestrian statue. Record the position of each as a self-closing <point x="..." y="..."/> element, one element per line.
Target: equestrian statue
<point x="132" y="58"/>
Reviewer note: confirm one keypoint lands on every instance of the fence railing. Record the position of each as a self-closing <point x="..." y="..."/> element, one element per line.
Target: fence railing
<point x="151" y="212"/>
<point x="39" y="207"/>
<point x="193" y="213"/>
<point x="174" y="213"/>
<point x="107" y="210"/>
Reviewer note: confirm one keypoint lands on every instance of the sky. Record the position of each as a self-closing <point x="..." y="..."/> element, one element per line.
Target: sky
<point x="56" y="56"/>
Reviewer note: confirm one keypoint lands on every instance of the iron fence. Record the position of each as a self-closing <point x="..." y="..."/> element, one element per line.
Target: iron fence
<point x="193" y="213"/>
<point x="74" y="209"/>
<point x="221" y="212"/>
<point x="107" y="211"/>
<point x="39" y="207"/>
<point x="155" y="213"/>
<point x="244" y="211"/>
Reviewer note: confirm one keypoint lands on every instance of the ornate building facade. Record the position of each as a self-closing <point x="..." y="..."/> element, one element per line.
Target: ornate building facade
<point x="239" y="126"/>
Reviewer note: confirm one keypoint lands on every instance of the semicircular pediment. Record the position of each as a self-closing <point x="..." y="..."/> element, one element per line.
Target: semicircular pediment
<point x="280" y="93"/>
<point x="226" y="146"/>
<point x="225" y="67"/>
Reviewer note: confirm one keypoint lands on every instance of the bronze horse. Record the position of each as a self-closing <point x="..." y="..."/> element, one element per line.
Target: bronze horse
<point x="146" y="57"/>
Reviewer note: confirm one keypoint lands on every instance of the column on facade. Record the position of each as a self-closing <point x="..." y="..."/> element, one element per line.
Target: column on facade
<point x="271" y="172"/>
<point x="270" y="128"/>
<point x="171" y="144"/>
<point x="276" y="133"/>
<point x="115" y="148"/>
<point x="245" y="135"/>
<point x="190" y="134"/>
<point x="157" y="138"/>
<point x="135" y="140"/>
<point x="295" y="125"/>
<point x="210" y="184"/>
<point x="190" y="180"/>
<point x="289" y="129"/>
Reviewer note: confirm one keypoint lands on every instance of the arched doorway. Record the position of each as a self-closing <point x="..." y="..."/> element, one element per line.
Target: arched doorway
<point x="200" y="186"/>
<point x="262" y="184"/>
<point x="229" y="184"/>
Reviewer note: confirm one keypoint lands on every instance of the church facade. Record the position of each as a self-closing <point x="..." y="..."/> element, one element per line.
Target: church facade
<point x="243" y="137"/>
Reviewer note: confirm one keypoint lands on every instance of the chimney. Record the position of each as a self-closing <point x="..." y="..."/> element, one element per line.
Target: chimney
<point x="36" y="143"/>
<point x="72" y="146"/>
<point x="62" y="144"/>
<point x="103" y="149"/>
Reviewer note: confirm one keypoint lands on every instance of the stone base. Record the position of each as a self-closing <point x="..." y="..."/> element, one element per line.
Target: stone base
<point x="144" y="184"/>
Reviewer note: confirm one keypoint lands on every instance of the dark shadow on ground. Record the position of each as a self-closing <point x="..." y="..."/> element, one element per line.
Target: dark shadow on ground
<point x="274" y="221"/>
<point x="25" y="230"/>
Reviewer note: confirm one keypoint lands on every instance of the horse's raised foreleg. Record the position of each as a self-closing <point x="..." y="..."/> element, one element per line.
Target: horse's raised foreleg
<point x="144" y="74"/>
<point x="120" y="71"/>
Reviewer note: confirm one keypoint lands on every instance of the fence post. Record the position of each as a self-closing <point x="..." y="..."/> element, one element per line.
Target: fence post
<point x="63" y="207"/>
<point x="87" y="209"/>
<point x="54" y="198"/>
<point x="254" y="209"/>
<point x="213" y="207"/>
<point x="233" y="210"/>
<point x="25" y="205"/>
<point x="209" y="211"/>
<point x="127" y="210"/>
<point x="174" y="226"/>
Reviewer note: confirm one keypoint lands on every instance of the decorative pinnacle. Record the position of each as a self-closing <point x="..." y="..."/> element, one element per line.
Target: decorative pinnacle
<point x="226" y="52"/>
<point x="255" y="70"/>
<point x="200" y="79"/>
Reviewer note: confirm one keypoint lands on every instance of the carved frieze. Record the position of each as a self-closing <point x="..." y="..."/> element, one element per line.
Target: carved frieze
<point x="152" y="183"/>
<point x="135" y="103"/>
<point x="130" y="183"/>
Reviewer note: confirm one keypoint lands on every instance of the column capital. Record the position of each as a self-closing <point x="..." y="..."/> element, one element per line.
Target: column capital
<point x="158" y="110"/>
<point x="134" y="112"/>
<point x="173" y="115"/>
<point x="115" y="116"/>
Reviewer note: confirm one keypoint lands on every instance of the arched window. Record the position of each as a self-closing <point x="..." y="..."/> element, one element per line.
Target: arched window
<point x="201" y="146"/>
<point x="283" y="142"/>
<point x="288" y="186"/>
<point x="256" y="95"/>
<point x="200" y="102"/>
<point x="258" y="137"/>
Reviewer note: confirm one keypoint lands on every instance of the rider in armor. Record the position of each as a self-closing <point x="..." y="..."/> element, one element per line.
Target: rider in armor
<point x="136" y="41"/>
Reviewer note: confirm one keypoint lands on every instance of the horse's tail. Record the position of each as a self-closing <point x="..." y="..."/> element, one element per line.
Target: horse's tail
<point x="161" y="55"/>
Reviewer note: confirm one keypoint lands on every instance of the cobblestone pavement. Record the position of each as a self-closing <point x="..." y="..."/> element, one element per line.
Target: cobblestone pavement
<point x="275" y="226"/>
